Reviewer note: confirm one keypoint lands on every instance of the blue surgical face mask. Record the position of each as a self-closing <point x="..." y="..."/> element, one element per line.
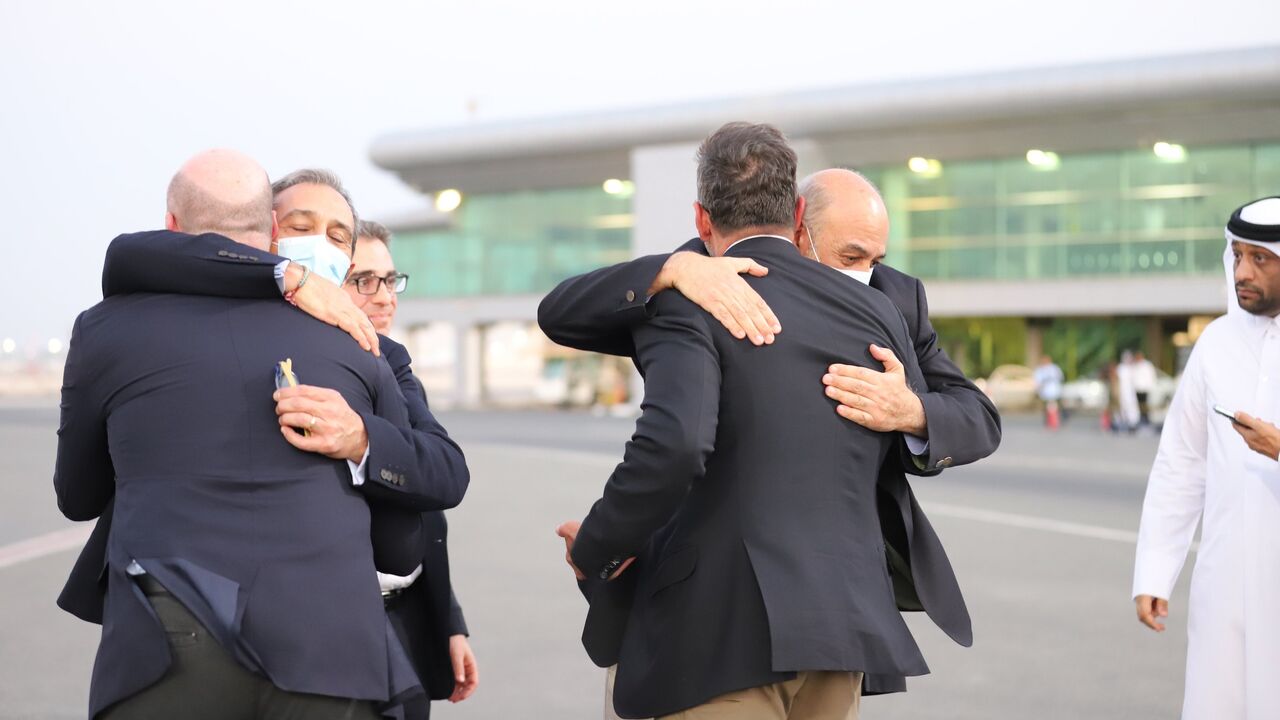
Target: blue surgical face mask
<point x="317" y="253"/>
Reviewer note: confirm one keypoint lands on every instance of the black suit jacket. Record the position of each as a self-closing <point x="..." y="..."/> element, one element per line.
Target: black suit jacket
<point x="430" y="600"/>
<point x="166" y="407"/>
<point x="596" y="312"/>
<point x="213" y="265"/>
<point x="748" y="501"/>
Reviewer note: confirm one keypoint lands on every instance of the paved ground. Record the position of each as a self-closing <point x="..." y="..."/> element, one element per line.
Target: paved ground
<point x="1040" y="534"/>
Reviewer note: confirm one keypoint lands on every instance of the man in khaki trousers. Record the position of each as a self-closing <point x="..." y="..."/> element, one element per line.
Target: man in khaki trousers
<point x="745" y="501"/>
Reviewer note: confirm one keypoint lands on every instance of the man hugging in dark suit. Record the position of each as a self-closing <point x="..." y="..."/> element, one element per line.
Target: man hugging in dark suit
<point x="747" y="504"/>
<point x="240" y="570"/>
<point x="949" y="422"/>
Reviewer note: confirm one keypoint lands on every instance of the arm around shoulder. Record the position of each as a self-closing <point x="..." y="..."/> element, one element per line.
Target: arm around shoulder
<point x="595" y="311"/>
<point x="172" y="262"/>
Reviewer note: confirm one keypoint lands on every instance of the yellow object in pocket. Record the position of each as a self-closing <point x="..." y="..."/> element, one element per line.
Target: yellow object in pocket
<point x="285" y="378"/>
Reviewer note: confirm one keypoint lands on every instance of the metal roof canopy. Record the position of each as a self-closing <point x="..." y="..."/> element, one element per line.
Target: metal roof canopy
<point x="1203" y="98"/>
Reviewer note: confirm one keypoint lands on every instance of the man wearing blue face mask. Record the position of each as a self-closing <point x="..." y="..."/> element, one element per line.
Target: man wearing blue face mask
<point x="845" y="227"/>
<point x="315" y="240"/>
<point x="313" y="210"/>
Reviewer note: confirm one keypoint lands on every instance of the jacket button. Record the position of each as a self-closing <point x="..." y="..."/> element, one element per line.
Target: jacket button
<point x="631" y="295"/>
<point x="222" y="253"/>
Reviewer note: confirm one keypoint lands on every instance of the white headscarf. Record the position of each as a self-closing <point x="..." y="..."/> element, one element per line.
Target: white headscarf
<point x="1262" y="212"/>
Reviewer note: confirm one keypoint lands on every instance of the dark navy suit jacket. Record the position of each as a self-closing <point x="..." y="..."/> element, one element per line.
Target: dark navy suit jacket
<point x="430" y="597"/>
<point x="167" y="408"/>
<point x="217" y="266"/>
<point x="598" y="310"/>
<point x="748" y="501"/>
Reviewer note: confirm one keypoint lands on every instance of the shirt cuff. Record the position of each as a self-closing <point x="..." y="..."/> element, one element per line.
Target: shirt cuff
<point x="357" y="471"/>
<point x="917" y="445"/>
<point x="281" y="267"/>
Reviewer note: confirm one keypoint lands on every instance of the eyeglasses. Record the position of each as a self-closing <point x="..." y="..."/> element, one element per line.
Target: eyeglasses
<point x="370" y="284"/>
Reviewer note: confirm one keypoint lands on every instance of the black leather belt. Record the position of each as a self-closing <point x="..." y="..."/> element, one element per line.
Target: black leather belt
<point x="389" y="595"/>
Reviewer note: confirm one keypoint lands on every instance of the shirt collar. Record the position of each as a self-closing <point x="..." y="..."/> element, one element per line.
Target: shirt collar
<point x="783" y="239"/>
<point x="1259" y="324"/>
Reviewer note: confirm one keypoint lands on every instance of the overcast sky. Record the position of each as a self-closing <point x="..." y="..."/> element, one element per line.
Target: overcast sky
<point x="103" y="101"/>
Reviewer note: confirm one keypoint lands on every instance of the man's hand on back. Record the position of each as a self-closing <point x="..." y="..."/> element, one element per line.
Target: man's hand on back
<point x="879" y="401"/>
<point x="336" y="430"/>
<point x="330" y="304"/>
<point x="716" y="285"/>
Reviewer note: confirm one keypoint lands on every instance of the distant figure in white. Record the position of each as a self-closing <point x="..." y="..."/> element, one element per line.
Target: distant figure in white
<point x="1144" y="384"/>
<point x="1130" y="411"/>
<point x="1218" y="458"/>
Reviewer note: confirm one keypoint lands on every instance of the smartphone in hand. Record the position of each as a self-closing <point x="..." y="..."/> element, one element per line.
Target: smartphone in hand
<point x="1228" y="415"/>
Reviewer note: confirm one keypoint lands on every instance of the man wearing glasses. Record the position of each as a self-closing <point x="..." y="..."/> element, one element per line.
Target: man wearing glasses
<point x="422" y="606"/>
<point x="317" y="228"/>
<point x="373" y="283"/>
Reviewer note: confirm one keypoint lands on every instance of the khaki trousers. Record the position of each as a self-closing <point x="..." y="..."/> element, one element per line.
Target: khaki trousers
<point x="809" y="696"/>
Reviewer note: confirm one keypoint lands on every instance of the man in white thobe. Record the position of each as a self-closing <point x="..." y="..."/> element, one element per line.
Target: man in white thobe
<point x="1227" y="471"/>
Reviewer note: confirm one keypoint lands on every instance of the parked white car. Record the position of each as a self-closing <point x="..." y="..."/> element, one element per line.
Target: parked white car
<point x="1011" y="387"/>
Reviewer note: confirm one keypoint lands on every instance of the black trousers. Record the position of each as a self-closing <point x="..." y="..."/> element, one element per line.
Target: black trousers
<point x="413" y="627"/>
<point x="204" y="682"/>
<point x="1143" y="409"/>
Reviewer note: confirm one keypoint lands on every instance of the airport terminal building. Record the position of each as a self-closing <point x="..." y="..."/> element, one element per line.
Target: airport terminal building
<point x="1076" y="211"/>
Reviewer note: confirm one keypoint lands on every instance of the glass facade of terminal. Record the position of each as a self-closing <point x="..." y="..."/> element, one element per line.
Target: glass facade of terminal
<point x="1074" y="216"/>
<point x="516" y="243"/>
<point x="1089" y="215"/>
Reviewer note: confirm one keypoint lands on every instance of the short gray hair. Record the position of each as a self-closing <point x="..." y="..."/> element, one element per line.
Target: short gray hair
<point x="747" y="177"/>
<point x="200" y="211"/>
<point x="316" y="176"/>
<point x="374" y="230"/>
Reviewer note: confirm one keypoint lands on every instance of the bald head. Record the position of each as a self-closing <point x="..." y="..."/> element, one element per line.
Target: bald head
<point x="225" y="192"/>
<point x="846" y="219"/>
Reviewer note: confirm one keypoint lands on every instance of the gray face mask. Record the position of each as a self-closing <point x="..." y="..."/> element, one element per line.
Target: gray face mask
<point x="862" y="276"/>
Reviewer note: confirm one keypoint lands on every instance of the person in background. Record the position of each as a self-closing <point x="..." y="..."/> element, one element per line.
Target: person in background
<point x="1049" y="379"/>
<point x="1130" y="412"/>
<point x="1144" y="384"/>
<point x="422" y="606"/>
<point x="1110" y="411"/>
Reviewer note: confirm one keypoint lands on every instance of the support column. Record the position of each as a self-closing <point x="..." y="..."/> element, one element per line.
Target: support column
<point x="666" y="178"/>
<point x="1035" y="344"/>
<point x="1153" y="343"/>
<point x="468" y="366"/>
